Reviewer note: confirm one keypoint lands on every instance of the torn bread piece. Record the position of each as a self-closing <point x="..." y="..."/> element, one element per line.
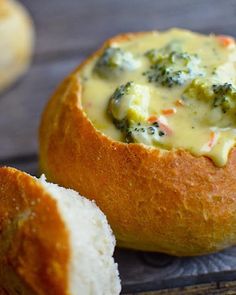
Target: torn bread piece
<point x="52" y="240"/>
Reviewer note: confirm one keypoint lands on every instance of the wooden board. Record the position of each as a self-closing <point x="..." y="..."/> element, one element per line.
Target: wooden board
<point x="69" y="30"/>
<point x="75" y="26"/>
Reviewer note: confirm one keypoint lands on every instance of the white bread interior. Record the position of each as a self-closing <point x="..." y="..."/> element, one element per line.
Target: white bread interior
<point x="92" y="267"/>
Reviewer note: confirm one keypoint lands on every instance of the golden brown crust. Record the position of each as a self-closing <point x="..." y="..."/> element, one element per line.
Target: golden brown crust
<point x="34" y="242"/>
<point x="171" y="202"/>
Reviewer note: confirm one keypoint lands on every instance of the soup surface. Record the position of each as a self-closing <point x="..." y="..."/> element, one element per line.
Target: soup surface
<point x="169" y="90"/>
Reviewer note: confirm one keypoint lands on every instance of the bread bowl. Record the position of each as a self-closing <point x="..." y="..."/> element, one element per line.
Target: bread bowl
<point x="16" y="41"/>
<point x="52" y="240"/>
<point x="173" y="189"/>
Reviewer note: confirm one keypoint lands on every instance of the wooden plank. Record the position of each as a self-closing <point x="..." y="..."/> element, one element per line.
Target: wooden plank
<point x="21" y="106"/>
<point x="82" y="25"/>
<point x="226" y="288"/>
<point x="28" y="163"/>
<point x="142" y="271"/>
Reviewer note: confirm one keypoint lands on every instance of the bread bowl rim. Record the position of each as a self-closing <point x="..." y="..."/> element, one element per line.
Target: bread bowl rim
<point x="123" y="37"/>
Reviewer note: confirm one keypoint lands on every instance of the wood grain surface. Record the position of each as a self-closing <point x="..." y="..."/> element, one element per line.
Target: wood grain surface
<point x="68" y="31"/>
<point x="226" y="288"/>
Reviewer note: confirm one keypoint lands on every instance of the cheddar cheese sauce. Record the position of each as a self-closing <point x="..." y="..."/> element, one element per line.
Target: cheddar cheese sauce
<point x="169" y="90"/>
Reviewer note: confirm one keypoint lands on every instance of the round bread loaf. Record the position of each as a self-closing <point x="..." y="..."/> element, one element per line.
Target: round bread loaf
<point x="16" y="41"/>
<point x="173" y="202"/>
<point x="52" y="240"/>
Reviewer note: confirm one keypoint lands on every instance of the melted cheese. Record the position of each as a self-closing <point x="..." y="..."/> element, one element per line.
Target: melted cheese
<point x="189" y="111"/>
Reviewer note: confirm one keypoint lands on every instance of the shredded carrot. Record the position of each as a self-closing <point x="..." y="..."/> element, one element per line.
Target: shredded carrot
<point x="211" y="142"/>
<point x="169" y="111"/>
<point x="161" y="122"/>
<point x="166" y="129"/>
<point x="225" y="40"/>
<point x="179" y="103"/>
<point x="163" y="126"/>
<point x="152" y="119"/>
<point x="212" y="139"/>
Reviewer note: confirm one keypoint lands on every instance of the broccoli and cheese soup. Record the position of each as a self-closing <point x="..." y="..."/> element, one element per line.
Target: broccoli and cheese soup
<point x="169" y="90"/>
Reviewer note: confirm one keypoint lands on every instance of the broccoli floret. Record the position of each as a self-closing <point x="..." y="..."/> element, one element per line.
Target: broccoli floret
<point x="145" y="133"/>
<point x="119" y="120"/>
<point x="114" y="61"/>
<point x="130" y="101"/>
<point x="172" y="68"/>
<point x="199" y="89"/>
<point x="128" y="108"/>
<point x="221" y="96"/>
<point x="120" y="92"/>
<point x="154" y="54"/>
<point x="224" y="96"/>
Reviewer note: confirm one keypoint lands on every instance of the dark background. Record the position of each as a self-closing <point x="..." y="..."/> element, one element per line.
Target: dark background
<point x="66" y="32"/>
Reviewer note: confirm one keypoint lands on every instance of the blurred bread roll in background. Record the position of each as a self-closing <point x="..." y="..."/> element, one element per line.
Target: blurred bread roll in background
<point x="16" y="42"/>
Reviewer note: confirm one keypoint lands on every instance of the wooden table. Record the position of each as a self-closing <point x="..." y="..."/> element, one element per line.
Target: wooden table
<point x="67" y="31"/>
